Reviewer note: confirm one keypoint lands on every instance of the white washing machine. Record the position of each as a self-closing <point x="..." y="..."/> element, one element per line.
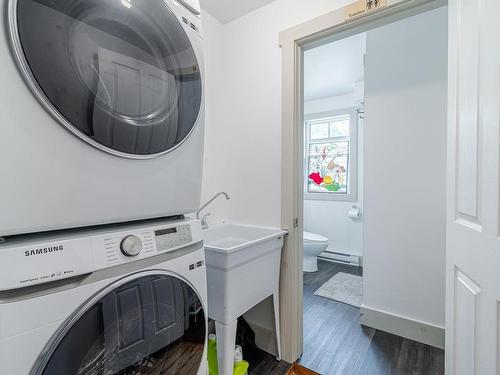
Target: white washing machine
<point x="115" y="300"/>
<point x="102" y="112"/>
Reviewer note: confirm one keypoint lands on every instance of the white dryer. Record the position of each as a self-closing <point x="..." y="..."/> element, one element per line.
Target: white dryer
<point x="116" y="300"/>
<point x="102" y="112"/>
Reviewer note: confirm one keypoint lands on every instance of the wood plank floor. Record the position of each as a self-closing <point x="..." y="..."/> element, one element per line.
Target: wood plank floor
<point x="297" y="369"/>
<point x="270" y="366"/>
<point x="335" y="343"/>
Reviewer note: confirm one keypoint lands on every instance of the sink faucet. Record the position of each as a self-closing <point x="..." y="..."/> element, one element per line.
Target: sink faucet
<point x="204" y="224"/>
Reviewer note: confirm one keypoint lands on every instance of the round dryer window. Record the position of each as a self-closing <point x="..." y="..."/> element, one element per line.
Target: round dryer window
<point x="120" y="74"/>
<point x="151" y="325"/>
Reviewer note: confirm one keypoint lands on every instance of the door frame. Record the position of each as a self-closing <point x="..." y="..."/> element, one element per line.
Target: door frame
<point x="293" y="42"/>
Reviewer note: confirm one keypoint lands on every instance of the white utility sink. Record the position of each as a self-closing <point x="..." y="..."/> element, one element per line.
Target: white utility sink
<point x="228" y="238"/>
<point x="243" y="268"/>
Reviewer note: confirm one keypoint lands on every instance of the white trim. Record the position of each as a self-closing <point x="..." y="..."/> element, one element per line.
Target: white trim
<point x="329" y="27"/>
<point x="403" y="326"/>
<point x="326" y="114"/>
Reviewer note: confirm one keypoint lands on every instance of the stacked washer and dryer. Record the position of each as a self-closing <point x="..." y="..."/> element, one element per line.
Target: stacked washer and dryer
<point x="100" y="158"/>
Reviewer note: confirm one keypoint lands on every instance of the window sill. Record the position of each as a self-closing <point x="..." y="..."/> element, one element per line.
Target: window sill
<point x="330" y="197"/>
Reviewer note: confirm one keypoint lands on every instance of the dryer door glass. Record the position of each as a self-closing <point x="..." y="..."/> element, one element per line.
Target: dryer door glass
<point x="152" y="325"/>
<point x="121" y="74"/>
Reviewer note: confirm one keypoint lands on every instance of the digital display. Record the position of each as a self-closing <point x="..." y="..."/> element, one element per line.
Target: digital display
<point x="163" y="232"/>
<point x="171" y="238"/>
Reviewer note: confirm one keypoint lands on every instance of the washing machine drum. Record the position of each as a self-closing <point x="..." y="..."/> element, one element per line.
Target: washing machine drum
<point x="151" y="325"/>
<point x="121" y="74"/>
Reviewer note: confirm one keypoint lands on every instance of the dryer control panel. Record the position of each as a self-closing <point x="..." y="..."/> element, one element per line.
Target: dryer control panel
<point x="172" y="237"/>
<point x="34" y="260"/>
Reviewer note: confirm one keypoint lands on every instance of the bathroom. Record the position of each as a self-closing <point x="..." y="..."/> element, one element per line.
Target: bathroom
<point x="360" y="158"/>
<point x="333" y="150"/>
<point x="333" y="194"/>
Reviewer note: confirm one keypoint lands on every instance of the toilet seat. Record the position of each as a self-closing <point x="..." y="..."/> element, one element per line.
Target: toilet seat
<point x="314" y="238"/>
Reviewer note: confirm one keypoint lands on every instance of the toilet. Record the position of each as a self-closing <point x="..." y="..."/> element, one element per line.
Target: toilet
<point x="314" y="244"/>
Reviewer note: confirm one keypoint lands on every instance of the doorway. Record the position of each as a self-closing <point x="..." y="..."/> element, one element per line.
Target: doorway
<point x="334" y="75"/>
<point x="345" y="179"/>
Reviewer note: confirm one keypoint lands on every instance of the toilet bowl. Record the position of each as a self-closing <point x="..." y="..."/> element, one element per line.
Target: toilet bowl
<point x="314" y="244"/>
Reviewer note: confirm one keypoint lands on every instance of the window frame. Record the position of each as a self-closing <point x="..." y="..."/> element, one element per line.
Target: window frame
<point x="352" y="171"/>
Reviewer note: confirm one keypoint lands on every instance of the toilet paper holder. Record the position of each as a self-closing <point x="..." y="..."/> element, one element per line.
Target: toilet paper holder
<point x="354" y="213"/>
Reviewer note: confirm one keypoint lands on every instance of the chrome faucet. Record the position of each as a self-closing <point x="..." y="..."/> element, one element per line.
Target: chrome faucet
<point x="204" y="223"/>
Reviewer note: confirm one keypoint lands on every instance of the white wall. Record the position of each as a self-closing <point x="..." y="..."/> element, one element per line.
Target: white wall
<point x="332" y="103"/>
<point x="405" y="167"/>
<point x="330" y="218"/>
<point x="243" y="146"/>
<point x="214" y="163"/>
<point x="243" y="120"/>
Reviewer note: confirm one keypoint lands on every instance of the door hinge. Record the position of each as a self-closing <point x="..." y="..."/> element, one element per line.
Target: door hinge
<point x="296" y="222"/>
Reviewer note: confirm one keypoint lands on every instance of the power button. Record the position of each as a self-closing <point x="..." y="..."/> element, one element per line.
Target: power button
<point x="131" y="246"/>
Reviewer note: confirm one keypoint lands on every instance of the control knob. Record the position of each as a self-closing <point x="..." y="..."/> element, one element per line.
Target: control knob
<point x="131" y="246"/>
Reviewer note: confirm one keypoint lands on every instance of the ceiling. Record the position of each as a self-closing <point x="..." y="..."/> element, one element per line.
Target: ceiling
<point x="334" y="68"/>
<point x="228" y="10"/>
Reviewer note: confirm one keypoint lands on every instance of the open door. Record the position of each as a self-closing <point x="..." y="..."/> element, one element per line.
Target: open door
<point x="473" y="223"/>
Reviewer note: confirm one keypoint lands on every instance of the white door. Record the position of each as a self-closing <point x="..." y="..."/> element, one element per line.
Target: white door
<point x="473" y="223"/>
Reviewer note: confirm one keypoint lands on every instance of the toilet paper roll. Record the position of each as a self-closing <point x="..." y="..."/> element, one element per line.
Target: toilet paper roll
<point x="354" y="212"/>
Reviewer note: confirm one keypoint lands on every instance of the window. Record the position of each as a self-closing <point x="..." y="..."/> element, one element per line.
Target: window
<point x="331" y="156"/>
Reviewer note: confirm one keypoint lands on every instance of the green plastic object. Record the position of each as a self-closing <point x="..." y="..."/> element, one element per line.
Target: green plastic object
<point x="212" y="355"/>
<point x="240" y="366"/>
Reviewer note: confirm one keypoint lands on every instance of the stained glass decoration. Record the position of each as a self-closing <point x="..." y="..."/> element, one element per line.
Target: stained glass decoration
<point x="328" y="163"/>
<point x="328" y="155"/>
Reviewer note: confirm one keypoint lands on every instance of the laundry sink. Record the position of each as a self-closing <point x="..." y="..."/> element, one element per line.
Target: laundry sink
<point x="243" y="268"/>
<point x="230" y="238"/>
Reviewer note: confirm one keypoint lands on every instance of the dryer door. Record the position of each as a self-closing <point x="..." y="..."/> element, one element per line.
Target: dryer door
<point x="120" y="74"/>
<point x="154" y="324"/>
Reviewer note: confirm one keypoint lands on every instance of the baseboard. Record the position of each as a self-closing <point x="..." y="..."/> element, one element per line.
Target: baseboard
<point x="344" y="258"/>
<point x="403" y="326"/>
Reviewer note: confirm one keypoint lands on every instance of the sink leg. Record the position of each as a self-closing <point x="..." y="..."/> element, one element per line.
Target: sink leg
<point x="226" y="341"/>
<point x="276" y="303"/>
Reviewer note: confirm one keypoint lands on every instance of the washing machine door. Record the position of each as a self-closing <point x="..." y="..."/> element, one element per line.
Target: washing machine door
<point x="120" y="74"/>
<point x="153" y="324"/>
